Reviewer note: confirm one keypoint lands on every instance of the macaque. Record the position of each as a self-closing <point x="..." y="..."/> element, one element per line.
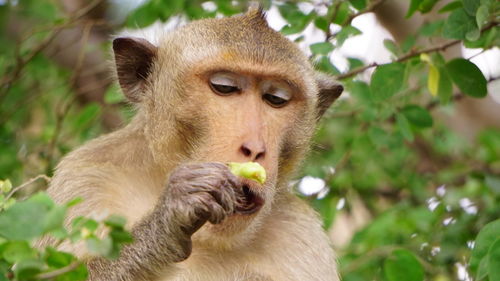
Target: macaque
<point x="211" y="92"/>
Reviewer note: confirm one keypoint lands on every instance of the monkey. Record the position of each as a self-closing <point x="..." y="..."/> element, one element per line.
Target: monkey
<point x="210" y="92"/>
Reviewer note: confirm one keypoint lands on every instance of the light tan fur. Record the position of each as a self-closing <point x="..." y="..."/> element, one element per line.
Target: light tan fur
<point x="179" y="121"/>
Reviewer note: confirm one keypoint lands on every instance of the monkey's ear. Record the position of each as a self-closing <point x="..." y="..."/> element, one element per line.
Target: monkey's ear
<point x="328" y="91"/>
<point x="134" y="59"/>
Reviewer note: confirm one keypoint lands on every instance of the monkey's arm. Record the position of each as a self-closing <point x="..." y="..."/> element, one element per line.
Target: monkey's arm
<point x="194" y="194"/>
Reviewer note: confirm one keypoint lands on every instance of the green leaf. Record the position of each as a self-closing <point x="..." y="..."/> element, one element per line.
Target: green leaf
<point x="445" y="87"/>
<point x="482" y="270"/>
<point x="486" y="237"/>
<point x="57" y="259"/>
<point x="322" y="48"/>
<point x="432" y="28"/>
<point x="482" y="16"/>
<point x="493" y="182"/>
<point x="16" y="251"/>
<point x="115" y="221"/>
<point x="345" y="33"/>
<point x="325" y="65"/>
<point x="450" y="7"/>
<point x="494" y="260"/>
<point x="322" y="23"/>
<point x="27" y="269"/>
<point x="404" y="127"/>
<point x="143" y="16"/>
<point x="387" y="80"/>
<point x="342" y="13"/>
<point x="414" y="4"/>
<point x="25" y="220"/>
<point x="417" y="116"/>
<point x="54" y="218"/>
<point x="458" y="24"/>
<point x="100" y="247"/>
<point x="403" y="265"/>
<point x="358" y="4"/>
<point x="468" y="78"/>
<point x="5" y="186"/>
<point x="391" y="46"/>
<point x="471" y="6"/>
<point x="427" y="5"/>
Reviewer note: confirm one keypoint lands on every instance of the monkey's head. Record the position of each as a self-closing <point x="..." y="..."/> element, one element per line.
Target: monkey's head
<point x="226" y="90"/>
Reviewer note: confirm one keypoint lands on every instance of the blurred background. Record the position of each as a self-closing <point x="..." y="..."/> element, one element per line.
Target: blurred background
<point x="405" y="167"/>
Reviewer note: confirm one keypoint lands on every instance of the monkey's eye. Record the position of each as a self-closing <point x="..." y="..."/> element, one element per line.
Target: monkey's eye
<point x="224" y="84"/>
<point x="277" y="97"/>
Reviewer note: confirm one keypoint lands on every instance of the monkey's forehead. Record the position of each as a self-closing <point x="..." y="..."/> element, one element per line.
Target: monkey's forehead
<point x="242" y="42"/>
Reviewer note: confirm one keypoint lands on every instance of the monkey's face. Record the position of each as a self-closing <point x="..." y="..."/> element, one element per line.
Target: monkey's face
<point x="227" y="90"/>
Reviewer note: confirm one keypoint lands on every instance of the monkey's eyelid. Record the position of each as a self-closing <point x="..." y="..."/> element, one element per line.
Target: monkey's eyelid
<point x="281" y="93"/>
<point x="223" y="79"/>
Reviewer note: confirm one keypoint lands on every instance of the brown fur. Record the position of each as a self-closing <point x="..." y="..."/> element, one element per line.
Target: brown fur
<point x="160" y="171"/>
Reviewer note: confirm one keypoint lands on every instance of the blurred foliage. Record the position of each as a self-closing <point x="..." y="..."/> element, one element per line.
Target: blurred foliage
<point x="428" y="192"/>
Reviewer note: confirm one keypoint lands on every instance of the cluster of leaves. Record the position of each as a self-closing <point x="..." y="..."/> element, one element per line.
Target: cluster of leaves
<point x="38" y="217"/>
<point x="428" y="192"/>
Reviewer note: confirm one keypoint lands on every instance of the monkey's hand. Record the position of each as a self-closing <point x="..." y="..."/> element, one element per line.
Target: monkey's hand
<point x="200" y="192"/>
<point x="195" y="194"/>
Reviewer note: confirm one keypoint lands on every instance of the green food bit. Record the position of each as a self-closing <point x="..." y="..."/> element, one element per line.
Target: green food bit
<point x="249" y="170"/>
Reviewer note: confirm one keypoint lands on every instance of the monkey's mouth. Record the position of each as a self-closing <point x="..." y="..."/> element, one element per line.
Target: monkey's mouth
<point x="248" y="201"/>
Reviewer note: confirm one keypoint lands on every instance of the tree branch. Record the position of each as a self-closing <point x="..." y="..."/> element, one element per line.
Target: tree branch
<point x="49" y="275"/>
<point x="408" y="56"/>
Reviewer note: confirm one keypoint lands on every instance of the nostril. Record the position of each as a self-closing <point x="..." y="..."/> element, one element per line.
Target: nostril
<point x="260" y="155"/>
<point x="246" y="151"/>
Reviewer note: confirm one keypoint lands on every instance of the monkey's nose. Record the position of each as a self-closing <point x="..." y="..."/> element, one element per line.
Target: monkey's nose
<point x="254" y="150"/>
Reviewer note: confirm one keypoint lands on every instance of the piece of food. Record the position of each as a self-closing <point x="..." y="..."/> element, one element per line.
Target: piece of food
<point x="249" y="170"/>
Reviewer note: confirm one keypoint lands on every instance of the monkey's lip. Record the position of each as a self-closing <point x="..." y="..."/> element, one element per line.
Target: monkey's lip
<point x="248" y="201"/>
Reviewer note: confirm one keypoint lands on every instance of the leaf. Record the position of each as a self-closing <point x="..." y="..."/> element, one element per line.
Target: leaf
<point x="403" y="265"/>
<point x="417" y="116"/>
<point x="387" y="80"/>
<point x="433" y="80"/>
<point x="432" y="28"/>
<point x="450" y="7"/>
<point x="404" y="127"/>
<point x="25" y="220"/>
<point x="493" y="182"/>
<point x="358" y="4"/>
<point x="342" y="13"/>
<point x="414" y="4"/>
<point x="16" y="251"/>
<point x="391" y="46"/>
<point x="468" y="78"/>
<point x="143" y="16"/>
<point x="471" y="6"/>
<point x="482" y="16"/>
<point x="322" y="48"/>
<point x="325" y="65"/>
<point x="345" y="33"/>
<point x="27" y="269"/>
<point x="322" y="23"/>
<point x="486" y="237"/>
<point x="57" y="259"/>
<point x="494" y="260"/>
<point x="115" y="221"/>
<point x="427" y="5"/>
<point x="458" y="24"/>
<point x="100" y="247"/>
<point x="445" y="87"/>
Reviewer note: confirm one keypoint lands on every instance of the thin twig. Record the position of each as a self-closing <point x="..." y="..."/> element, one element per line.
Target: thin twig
<point x="16" y="189"/>
<point x="65" y="108"/>
<point x="49" y="275"/>
<point x="6" y="83"/>
<point x="408" y="56"/>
